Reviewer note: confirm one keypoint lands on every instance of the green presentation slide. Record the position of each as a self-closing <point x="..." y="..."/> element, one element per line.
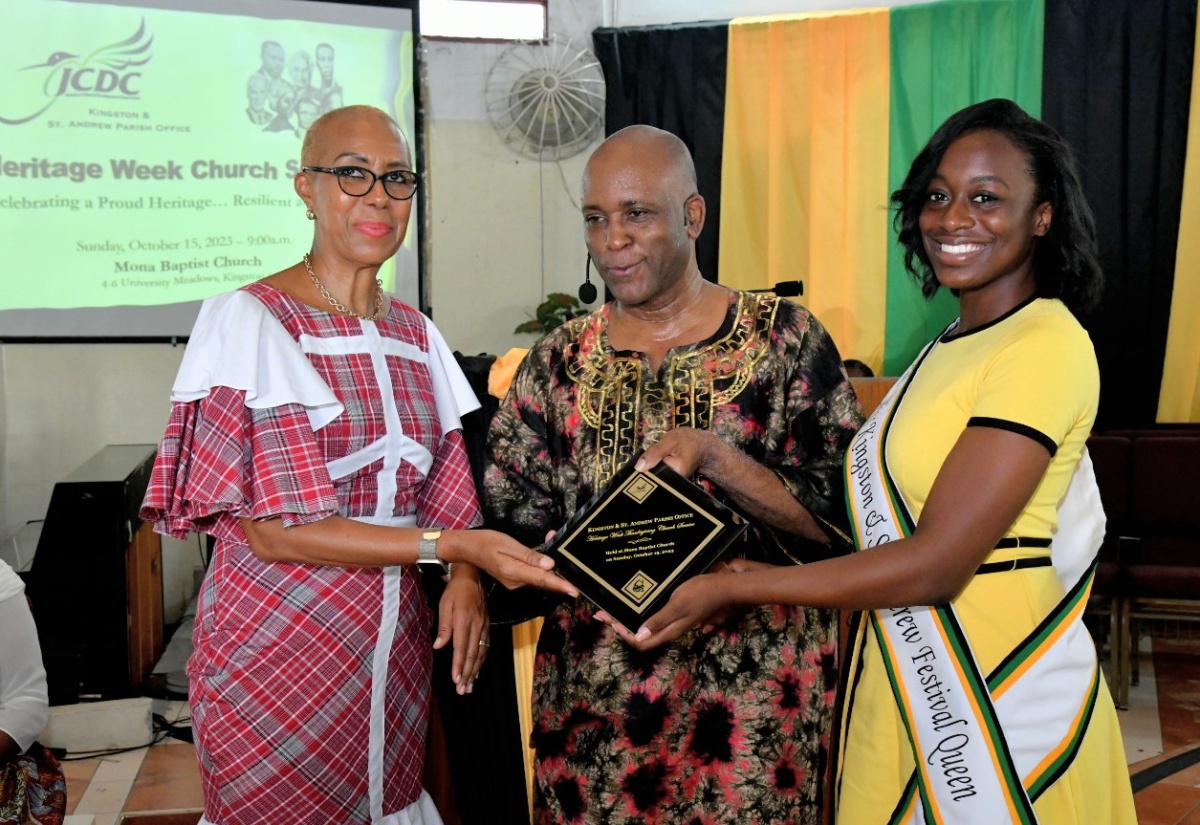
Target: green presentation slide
<point x="147" y="154"/>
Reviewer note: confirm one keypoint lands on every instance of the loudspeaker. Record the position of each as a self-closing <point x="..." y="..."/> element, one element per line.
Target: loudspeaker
<point x="96" y="580"/>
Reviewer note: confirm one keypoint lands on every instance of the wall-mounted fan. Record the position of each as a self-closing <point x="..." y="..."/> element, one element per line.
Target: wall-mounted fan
<point x="546" y="100"/>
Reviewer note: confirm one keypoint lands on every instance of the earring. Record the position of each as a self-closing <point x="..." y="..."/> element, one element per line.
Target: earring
<point x="311" y="215"/>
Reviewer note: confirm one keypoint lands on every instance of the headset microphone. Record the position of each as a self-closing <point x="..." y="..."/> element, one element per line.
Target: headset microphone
<point x="587" y="290"/>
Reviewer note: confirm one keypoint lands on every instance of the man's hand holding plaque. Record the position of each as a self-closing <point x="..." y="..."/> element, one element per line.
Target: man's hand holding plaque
<point x="639" y="538"/>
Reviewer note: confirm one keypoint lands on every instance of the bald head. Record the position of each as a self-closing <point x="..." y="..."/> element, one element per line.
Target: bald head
<point x="329" y="126"/>
<point x="650" y="146"/>
<point x="642" y="215"/>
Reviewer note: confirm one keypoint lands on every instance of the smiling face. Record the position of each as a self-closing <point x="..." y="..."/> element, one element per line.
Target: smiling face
<point x="354" y="231"/>
<point x="980" y="222"/>
<point x="635" y="199"/>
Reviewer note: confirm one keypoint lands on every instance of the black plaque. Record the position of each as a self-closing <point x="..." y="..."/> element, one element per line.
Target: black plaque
<point x="633" y="543"/>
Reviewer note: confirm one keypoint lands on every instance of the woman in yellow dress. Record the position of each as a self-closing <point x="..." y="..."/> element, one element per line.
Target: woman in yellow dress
<point x="974" y="694"/>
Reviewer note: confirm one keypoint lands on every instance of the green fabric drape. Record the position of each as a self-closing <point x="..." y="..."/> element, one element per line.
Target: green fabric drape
<point x="946" y="56"/>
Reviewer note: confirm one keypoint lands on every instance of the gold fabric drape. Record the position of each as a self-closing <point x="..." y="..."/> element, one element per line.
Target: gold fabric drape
<point x="804" y="179"/>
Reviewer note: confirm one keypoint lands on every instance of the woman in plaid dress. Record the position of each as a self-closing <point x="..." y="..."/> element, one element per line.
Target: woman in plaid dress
<point x="315" y="433"/>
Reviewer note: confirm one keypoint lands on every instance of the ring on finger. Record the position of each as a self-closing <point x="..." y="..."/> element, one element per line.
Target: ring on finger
<point x="484" y="643"/>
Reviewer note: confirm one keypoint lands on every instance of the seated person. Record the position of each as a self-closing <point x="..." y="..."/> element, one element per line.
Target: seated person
<point x="32" y="788"/>
<point x="857" y="369"/>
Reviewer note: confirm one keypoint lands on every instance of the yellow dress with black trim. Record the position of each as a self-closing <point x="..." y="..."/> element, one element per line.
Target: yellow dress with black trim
<point x="1032" y="371"/>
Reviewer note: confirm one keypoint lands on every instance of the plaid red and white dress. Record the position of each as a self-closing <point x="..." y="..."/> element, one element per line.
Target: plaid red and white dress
<point x="309" y="685"/>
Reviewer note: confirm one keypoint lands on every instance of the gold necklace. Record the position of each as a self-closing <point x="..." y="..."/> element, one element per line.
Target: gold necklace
<point x="338" y="305"/>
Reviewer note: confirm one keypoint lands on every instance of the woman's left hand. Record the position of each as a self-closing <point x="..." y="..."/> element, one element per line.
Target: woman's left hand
<point x="697" y="601"/>
<point x="463" y="620"/>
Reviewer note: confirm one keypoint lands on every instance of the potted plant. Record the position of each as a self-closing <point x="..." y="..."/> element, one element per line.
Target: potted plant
<point x="556" y="310"/>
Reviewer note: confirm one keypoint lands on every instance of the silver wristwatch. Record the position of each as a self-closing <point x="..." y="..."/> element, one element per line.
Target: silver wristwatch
<point x="427" y="550"/>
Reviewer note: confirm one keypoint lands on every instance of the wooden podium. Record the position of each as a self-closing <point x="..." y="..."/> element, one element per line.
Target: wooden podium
<point x="96" y="580"/>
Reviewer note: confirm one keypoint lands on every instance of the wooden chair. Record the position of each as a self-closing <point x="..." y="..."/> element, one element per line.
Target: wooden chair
<point x="870" y="391"/>
<point x="1110" y="457"/>
<point x="1162" y="568"/>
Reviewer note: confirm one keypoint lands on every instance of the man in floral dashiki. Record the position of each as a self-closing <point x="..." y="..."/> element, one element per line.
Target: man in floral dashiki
<point x="746" y="394"/>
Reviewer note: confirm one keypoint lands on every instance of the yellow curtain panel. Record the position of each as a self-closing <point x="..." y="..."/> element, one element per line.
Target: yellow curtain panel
<point x="805" y="173"/>
<point x="1179" y="398"/>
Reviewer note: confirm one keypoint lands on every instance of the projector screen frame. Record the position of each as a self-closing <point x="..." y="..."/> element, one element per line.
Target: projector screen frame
<point x="180" y="316"/>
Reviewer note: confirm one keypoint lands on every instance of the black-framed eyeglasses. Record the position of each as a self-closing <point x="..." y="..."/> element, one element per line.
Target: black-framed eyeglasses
<point x="400" y="184"/>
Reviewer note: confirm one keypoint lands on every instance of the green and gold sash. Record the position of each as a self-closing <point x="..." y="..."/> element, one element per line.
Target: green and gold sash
<point x="985" y="745"/>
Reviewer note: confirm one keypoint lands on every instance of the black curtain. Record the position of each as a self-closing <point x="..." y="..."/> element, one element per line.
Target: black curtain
<point x="1117" y="85"/>
<point x="673" y="77"/>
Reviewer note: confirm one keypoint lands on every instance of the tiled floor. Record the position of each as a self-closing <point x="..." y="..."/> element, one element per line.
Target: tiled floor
<point x="1162" y="722"/>
<point x="1173" y="799"/>
<point x="161" y="779"/>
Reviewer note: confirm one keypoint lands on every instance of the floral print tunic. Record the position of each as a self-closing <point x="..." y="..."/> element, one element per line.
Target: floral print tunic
<point x="728" y="726"/>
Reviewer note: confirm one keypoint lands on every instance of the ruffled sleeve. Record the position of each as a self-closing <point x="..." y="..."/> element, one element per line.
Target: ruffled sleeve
<point x="453" y="392"/>
<point x="240" y="439"/>
<point x="238" y="343"/>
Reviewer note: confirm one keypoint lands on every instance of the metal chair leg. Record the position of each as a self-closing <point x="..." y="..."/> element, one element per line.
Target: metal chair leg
<point x="1115" y="675"/>
<point x="1135" y="633"/>
<point x="1123" y="644"/>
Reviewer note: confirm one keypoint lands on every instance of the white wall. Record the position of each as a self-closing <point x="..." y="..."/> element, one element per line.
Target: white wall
<point x="62" y="403"/>
<point x="503" y="230"/>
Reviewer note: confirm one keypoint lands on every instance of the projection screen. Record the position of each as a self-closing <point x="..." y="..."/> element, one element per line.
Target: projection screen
<point x="147" y="150"/>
